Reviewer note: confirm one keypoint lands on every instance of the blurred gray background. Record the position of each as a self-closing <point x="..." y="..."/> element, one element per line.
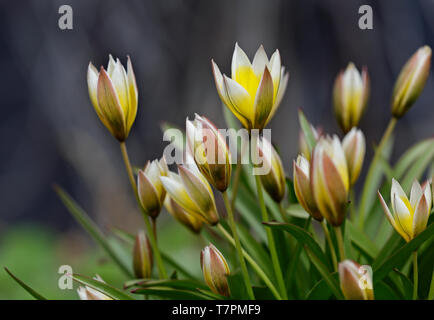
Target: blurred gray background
<point x="50" y="133"/>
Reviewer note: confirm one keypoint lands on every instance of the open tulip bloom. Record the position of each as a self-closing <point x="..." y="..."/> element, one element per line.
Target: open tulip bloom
<point x="255" y="89"/>
<point x="408" y="217"/>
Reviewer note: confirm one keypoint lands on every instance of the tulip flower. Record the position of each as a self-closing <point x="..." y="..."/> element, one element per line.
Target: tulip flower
<point x="142" y="257"/>
<point x="356" y="281"/>
<point x="411" y="81"/>
<point x="210" y="152"/>
<point x="354" y="147"/>
<point x="113" y="94"/>
<point x="149" y="187"/>
<point x="88" y="293"/>
<point x="255" y="90"/>
<point x="302" y="144"/>
<point x="330" y="179"/>
<point x="408" y="217"/>
<point x="350" y="96"/>
<point x="187" y="219"/>
<point x="215" y="269"/>
<point x="192" y="192"/>
<point x="302" y="187"/>
<point x="274" y="181"/>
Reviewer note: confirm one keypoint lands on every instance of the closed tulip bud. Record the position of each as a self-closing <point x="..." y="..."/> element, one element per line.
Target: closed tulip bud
<point x="88" y="293"/>
<point x="149" y="187"/>
<point x="411" y="81"/>
<point x="302" y="144"/>
<point x="274" y="181"/>
<point x="408" y="217"/>
<point x="350" y="96"/>
<point x="356" y="281"/>
<point x="113" y="94"/>
<point x="215" y="269"/>
<point x="330" y="179"/>
<point x="192" y="192"/>
<point x="210" y="151"/>
<point x="354" y="147"/>
<point x="187" y="219"/>
<point x="302" y="187"/>
<point x="142" y="256"/>
<point x="255" y="90"/>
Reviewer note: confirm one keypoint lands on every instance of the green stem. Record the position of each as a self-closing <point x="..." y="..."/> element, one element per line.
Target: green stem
<point x="270" y="238"/>
<point x="152" y="239"/>
<point x="330" y="244"/>
<point x="253" y="264"/>
<point x="244" y="270"/>
<point x="296" y="255"/>
<point x="431" y="289"/>
<point x="282" y="212"/>
<point x="415" y="275"/>
<point x="236" y="184"/>
<point x="370" y="175"/>
<point x="352" y="205"/>
<point x="340" y="241"/>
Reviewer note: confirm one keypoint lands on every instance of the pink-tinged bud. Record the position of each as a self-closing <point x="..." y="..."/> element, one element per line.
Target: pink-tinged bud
<point x="187" y="219"/>
<point x="350" y="96"/>
<point x="88" y="293"/>
<point x="210" y="151"/>
<point x="354" y="147"/>
<point x="330" y="179"/>
<point x="215" y="269"/>
<point x="113" y="94"/>
<point x="409" y="217"/>
<point x="411" y="81"/>
<point x="142" y="257"/>
<point x="149" y="187"/>
<point x="302" y="187"/>
<point x="356" y="281"/>
<point x="274" y="181"/>
<point x="192" y="192"/>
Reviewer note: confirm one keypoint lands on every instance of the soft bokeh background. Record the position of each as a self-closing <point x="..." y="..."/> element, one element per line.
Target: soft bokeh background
<point x="50" y="133"/>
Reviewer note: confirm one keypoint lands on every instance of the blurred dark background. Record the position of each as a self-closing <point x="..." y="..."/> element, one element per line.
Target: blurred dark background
<point x="50" y="133"/>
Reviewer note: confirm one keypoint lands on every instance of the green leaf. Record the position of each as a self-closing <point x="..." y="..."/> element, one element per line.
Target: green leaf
<point x="236" y="286"/>
<point x="407" y="285"/>
<point x="83" y="219"/>
<point x="307" y="130"/>
<point x="373" y="179"/>
<point x="174" y="284"/>
<point x="296" y="210"/>
<point x="361" y="241"/>
<point x="304" y="237"/>
<point x="177" y="266"/>
<point x="321" y="290"/>
<point x="411" y="155"/>
<point x="102" y="287"/>
<point x="382" y="291"/>
<point x="31" y="291"/>
<point x="418" y="168"/>
<point x="169" y="293"/>
<point x="325" y="273"/>
<point x="401" y="255"/>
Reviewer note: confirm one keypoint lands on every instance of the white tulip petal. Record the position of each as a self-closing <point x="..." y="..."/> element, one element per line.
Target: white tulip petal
<point x="397" y="191"/>
<point x="415" y="193"/>
<point x="239" y="59"/>
<point x="260" y="61"/>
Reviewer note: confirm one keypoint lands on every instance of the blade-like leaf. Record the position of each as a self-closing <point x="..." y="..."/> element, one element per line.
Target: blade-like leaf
<point x="321" y="290"/>
<point x="297" y="211"/>
<point x="169" y="293"/>
<point x="304" y="237"/>
<point x="307" y="130"/>
<point x="361" y="241"/>
<point x="102" y="287"/>
<point x="31" y="291"/>
<point x="325" y="273"/>
<point x="83" y="219"/>
<point x="174" y="284"/>
<point x="401" y="255"/>
<point x="411" y="155"/>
